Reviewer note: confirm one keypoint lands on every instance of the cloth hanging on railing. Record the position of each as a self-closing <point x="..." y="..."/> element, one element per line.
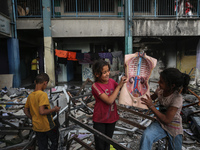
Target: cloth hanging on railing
<point x="71" y="56"/>
<point x="61" y="53"/>
<point x="79" y="56"/>
<point x="86" y="60"/>
<point x="119" y="55"/>
<point x="106" y="55"/>
<point x="94" y="56"/>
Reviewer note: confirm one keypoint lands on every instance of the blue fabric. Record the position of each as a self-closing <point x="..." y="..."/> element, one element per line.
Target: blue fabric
<point x="155" y="132"/>
<point x="175" y="143"/>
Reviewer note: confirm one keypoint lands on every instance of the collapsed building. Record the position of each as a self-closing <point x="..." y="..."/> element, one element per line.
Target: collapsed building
<point x="39" y="28"/>
<point x="31" y="29"/>
<point x="75" y="120"/>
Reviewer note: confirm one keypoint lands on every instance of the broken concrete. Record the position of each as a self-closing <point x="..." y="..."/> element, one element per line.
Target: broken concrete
<point x="16" y="128"/>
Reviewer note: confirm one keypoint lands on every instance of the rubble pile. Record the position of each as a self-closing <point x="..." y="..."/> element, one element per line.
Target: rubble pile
<point x="76" y="125"/>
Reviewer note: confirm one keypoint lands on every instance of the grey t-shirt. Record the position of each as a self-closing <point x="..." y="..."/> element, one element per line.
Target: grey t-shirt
<point x="175" y="99"/>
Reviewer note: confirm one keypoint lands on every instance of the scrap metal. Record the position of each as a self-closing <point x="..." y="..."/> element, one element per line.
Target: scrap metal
<point x="99" y="134"/>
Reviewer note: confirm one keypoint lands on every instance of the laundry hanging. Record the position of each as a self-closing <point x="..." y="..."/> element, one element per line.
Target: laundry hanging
<point x="106" y="55"/>
<point x="61" y="53"/>
<point x="94" y="56"/>
<point x="79" y="56"/>
<point x="118" y="54"/>
<point x="86" y="60"/>
<point x="71" y="56"/>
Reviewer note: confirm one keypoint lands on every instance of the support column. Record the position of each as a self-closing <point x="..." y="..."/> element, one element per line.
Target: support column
<point x="49" y="66"/>
<point x="128" y="27"/>
<point x="13" y="50"/>
<point x="170" y="55"/>
<point x="197" y="72"/>
<point x="41" y="62"/>
<point x="14" y="61"/>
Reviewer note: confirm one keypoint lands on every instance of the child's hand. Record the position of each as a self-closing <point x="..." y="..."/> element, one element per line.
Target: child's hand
<point x="157" y="90"/>
<point x="123" y="80"/>
<point x="56" y="108"/>
<point x="147" y="101"/>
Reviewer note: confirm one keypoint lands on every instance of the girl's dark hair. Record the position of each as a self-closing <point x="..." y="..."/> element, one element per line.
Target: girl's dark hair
<point x="98" y="67"/>
<point x="174" y="76"/>
<point x="42" y="77"/>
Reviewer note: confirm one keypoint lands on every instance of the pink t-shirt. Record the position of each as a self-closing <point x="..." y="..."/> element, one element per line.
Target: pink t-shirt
<point x="104" y="113"/>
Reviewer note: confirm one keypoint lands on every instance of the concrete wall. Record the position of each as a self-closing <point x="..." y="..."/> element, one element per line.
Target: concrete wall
<point x="85" y="27"/>
<point x="88" y="28"/>
<point x="111" y="28"/>
<point x="187" y="63"/>
<point x="166" y="27"/>
<point x="32" y="23"/>
<point x="5" y="27"/>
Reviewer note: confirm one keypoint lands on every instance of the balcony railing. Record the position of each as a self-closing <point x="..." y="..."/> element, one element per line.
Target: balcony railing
<point x="88" y="8"/>
<point x="166" y="8"/>
<point x="110" y="8"/>
<point x="28" y="8"/>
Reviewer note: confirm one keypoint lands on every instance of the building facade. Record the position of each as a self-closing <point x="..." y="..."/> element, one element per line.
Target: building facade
<point x="166" y="30"/>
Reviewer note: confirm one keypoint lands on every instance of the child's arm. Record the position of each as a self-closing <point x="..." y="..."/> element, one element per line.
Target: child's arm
<point x="44" y="111"/>
<point x="164" y="118"/>
<point x="27" y="113"/>
<point x="110" y="99"/>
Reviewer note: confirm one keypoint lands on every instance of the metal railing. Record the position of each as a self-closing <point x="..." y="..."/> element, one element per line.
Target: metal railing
<point x="109" y="8"/>
<point x="28" y="8"/>
<point x="87" y="8"/>
<point x="166" y="8"/>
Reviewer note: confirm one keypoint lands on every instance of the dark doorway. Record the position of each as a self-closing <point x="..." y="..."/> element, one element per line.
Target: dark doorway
<point x="74" y="69"/>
